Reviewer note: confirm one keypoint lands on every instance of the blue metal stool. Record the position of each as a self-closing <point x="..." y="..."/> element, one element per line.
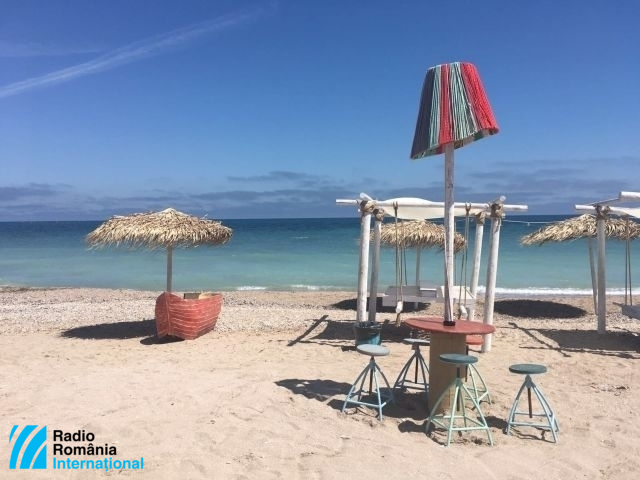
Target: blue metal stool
<point x="550" y="423"/>
<point x="421" y="367"/>
<point x="372" y="370"/>
<point x="458" y="413"/>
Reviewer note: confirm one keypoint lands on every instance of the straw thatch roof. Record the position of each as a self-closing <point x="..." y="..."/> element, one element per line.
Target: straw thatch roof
<point x="166" y="229"/>
<point x="417" y="233"/>
<point x="583" y="226"/>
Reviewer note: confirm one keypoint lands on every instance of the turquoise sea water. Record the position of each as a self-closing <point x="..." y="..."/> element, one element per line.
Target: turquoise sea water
<point x="289" y="254"/>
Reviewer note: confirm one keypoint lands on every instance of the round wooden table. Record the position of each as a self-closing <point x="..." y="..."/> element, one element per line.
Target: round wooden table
<point x="445" y="339"/>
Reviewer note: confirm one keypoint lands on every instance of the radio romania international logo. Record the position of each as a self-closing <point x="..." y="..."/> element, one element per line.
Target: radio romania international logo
<point x="34" y="452"/>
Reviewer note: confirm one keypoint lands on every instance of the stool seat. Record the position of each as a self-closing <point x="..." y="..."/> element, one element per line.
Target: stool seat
<point x="474" y="340"/>
<point x="527" y="368"/>
<point x="417" y="341"/>
<point x="373" y="350"/>
<point x="458" y="359"/>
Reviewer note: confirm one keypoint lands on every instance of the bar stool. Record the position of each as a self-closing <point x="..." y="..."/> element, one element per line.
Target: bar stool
<point x="478" y="385"/>
<point x="372" y="370"/>
<point x="551" y="423"/>
<point x="402" y="382"/>
<point x="458" y="412"/>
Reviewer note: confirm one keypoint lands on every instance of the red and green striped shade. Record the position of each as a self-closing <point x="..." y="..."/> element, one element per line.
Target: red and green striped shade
<point x="453" y="109"/>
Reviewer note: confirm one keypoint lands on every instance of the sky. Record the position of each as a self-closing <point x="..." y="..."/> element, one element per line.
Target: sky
<point x="267" y="109"/>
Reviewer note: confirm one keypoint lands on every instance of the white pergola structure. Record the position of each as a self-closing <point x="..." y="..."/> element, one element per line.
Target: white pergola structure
<point x="421" y="209"/>
<point x="601" y="209"/>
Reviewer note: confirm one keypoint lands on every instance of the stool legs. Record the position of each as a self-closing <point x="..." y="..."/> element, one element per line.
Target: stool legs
<point x="421" y="368"/>
<point x="448" y="421"/>
<point x="547" y="412"/>
<point x="478" y="385"/>
<point x="357" y="389"/>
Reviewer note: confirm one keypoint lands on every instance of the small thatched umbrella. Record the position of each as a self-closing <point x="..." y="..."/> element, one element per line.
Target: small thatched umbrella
<point x="166" y="229"/>
<point x="583" y="226"/>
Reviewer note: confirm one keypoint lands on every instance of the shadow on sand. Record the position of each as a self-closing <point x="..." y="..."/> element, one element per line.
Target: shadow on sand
<point x="325" y="331"/>
<point x="352" y="304"/>
<point x="537" y="309"/>
<point x="619" y="344"/>
<point x="145" y="329"/>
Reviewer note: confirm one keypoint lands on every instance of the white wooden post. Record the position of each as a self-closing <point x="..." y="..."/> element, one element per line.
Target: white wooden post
<point x="477" y="254"/>
<point x="492" y="271"/>
<point x="449" y="225"/>
<point x="366" y="208"/>
<point x="602" y="287"/>
<point x="375" y="264"/>
<point x="169" y="267"/>
<point x="594" y="280"/>
<point x="418" y="255"/>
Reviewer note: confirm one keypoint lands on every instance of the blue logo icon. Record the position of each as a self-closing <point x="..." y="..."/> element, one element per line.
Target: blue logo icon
<point x="36" y="448"/>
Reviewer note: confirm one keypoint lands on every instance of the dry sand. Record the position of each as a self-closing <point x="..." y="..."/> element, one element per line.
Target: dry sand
<point x="260" y="396"/>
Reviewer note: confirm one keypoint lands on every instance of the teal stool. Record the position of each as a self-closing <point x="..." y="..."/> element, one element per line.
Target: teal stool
<point x="550" y="423"/>
<point x="355" y="395"/>
<point x="458" y="419"/>
<point x="419" y="382"/>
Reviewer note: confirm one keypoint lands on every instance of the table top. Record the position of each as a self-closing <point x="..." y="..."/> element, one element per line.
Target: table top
<point x="462" y="327"/>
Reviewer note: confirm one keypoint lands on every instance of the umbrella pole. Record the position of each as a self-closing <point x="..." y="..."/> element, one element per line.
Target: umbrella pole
<point x="418" y="255"/>
<point x="594" y="281"/>
<point x="602" y="291"/>
<point x="169" y="267"/>
<point x="449" y="232"/>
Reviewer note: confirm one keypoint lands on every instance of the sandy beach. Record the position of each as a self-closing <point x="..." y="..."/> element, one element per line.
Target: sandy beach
<point x="260" y="396"/>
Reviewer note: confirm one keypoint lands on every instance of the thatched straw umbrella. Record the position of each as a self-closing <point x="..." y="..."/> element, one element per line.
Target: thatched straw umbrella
<point x="584" y="226"/>
<point x="166" y="229"/>
<point x="417" y="234"/>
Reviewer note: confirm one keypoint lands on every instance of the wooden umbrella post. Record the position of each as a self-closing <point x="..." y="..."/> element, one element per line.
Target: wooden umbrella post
<point x="602" y="287"/>
<point x="366" y="209"/>
<point x="492" y="271"/>
<point x="169" y="267"/>
<point x="594" y="280"/>
<point x="477" y="254"/>
<point x="375" y="264"/>
<point x="449" y="232"/>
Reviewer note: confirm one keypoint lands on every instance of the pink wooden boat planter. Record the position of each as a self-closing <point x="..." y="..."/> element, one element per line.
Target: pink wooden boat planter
<point x="187" y="318"/>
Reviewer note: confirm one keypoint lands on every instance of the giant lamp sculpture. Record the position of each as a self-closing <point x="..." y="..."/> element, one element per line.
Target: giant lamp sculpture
<point x="454" y="111"/>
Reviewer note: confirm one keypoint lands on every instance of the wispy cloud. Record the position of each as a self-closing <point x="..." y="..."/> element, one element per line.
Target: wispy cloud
<point x="133" y="52"/>
<point x="32" y="49"/>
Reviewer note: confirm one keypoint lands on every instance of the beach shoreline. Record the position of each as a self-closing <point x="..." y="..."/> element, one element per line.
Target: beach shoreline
<point x="261" y="395"/>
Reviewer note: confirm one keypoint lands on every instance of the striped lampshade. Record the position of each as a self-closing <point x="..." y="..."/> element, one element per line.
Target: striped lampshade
<point x="453" y="109"/>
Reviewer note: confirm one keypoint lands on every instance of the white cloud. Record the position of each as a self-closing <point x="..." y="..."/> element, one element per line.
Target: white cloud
<point x="133" y="52"/>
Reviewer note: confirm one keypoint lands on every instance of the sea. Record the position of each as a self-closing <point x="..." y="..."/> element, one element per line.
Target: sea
<point x="306" y="254"/>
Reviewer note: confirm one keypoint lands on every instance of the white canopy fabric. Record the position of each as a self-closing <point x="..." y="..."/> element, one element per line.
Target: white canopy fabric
<point x="407" y="208"/>
<point x="633" y="212"/>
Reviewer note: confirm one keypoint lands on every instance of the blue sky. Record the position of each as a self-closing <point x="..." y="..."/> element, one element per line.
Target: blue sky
<point x="251" y="109"/>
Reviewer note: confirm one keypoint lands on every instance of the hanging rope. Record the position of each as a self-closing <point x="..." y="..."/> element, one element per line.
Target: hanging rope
<point x="366" y="207"/>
